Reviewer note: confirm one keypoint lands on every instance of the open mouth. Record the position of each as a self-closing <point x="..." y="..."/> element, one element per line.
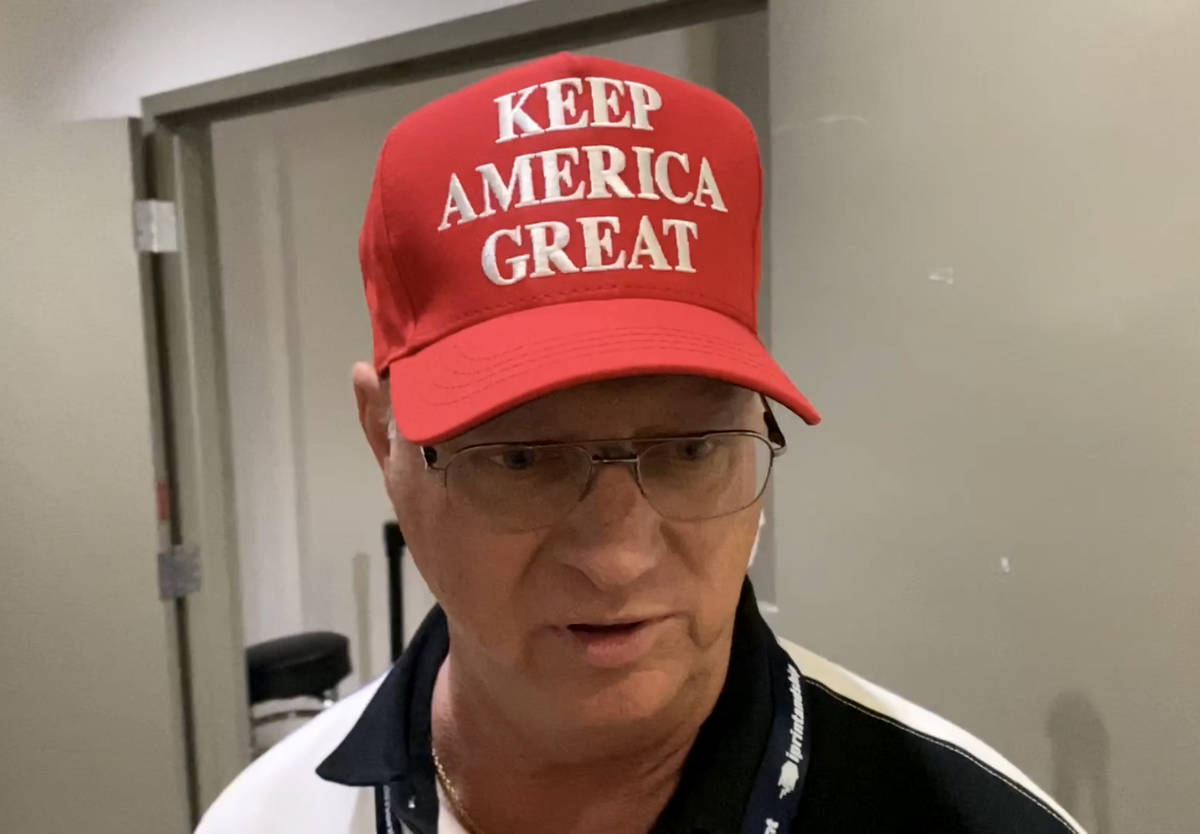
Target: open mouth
<point x="612" y="645"/>
<point x="616" y="629"/>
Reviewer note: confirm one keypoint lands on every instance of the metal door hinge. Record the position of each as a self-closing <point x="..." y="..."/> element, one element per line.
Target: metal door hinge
<point x="178" y="572"/>
<point x="154" y="227"/>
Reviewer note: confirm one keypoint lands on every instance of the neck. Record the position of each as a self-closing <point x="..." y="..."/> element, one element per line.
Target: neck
<point x="514" y="771"/>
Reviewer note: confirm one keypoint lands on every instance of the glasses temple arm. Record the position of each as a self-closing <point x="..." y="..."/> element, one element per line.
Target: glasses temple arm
<point x="430" y="455"/>
<point x="774" y="434"/>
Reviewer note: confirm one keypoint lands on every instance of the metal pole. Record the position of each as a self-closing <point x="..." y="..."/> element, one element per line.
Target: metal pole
<point x="393" y="542"/>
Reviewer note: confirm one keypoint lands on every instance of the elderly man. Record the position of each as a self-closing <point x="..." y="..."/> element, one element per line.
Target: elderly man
<point x="570" y="408"/>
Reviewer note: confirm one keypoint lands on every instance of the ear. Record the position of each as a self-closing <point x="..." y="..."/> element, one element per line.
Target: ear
<point x="373" y="406"/>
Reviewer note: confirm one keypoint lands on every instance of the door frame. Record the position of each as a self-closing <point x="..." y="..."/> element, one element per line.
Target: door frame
<point x="192" y="425"/>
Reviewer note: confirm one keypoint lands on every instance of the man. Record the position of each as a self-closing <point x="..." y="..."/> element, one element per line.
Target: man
<point x="569" y="406"/>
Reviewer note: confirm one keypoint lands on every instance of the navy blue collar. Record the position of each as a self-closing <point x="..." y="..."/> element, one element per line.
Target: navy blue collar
<point x="389" y="747"/>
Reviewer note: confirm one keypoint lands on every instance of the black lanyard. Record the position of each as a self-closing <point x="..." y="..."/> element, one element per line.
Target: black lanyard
<point x="775" y="797"/>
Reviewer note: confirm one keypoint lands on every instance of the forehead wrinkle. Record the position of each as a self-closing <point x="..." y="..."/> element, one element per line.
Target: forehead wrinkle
<point x="679" y="405"/>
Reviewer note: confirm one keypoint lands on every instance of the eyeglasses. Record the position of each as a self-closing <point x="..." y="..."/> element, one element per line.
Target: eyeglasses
<point x="517" y="487"/>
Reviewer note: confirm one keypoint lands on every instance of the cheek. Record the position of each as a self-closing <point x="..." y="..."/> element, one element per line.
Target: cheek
<point x="474" y="574"/>
<point x="717" y="551"/>
<point x="716" y="555"/>
<point x="479" y="581"/>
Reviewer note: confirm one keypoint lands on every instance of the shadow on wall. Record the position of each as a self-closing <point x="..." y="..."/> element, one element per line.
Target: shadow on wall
<point x="1079" y="752"/>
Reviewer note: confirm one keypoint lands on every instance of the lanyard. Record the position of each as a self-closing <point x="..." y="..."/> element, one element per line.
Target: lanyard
<point x="775" y="797"/>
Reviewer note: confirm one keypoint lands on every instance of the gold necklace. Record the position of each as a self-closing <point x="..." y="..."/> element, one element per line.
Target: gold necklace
<point x="452" y="793"/>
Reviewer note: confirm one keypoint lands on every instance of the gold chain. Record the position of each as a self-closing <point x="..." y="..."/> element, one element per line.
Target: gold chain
<point x="452" y="793"/>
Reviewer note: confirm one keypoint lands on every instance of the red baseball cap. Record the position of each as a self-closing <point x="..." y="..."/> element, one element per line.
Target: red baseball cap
<point x="570" y="220"/>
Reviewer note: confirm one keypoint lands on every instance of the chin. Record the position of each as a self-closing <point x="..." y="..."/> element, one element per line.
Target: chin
<point x="624" y="698"/>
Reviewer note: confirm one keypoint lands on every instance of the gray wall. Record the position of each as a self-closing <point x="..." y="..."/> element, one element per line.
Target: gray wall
<point x="985" y="274"/>
<point x="90" y="730"/>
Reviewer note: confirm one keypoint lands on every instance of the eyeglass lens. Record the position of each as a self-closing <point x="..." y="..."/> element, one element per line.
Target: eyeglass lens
<point x="527" y="487"/>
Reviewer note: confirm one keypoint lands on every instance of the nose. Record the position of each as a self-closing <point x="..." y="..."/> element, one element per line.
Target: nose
<point x="613" y="536"/>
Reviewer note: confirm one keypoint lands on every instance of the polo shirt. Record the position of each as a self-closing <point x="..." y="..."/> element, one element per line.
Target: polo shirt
<point x="795" y="743"/>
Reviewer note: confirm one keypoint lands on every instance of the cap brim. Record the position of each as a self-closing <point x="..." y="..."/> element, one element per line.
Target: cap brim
<point x="477" y="373"/>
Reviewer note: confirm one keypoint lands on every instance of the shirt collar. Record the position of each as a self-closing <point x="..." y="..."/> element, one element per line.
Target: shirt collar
<point x="390" y="744"/>
<point x="389" y="747"/>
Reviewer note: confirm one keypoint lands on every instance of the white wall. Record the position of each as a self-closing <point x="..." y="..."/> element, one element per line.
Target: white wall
<point x="66" y="59"/>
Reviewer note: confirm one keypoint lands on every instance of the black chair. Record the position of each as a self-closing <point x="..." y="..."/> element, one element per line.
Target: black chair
<point x="307" y="665"/>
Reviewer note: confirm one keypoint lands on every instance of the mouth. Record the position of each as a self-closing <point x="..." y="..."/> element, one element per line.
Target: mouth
<point x="615" y="644"/>
<point x="599" y="629"/>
